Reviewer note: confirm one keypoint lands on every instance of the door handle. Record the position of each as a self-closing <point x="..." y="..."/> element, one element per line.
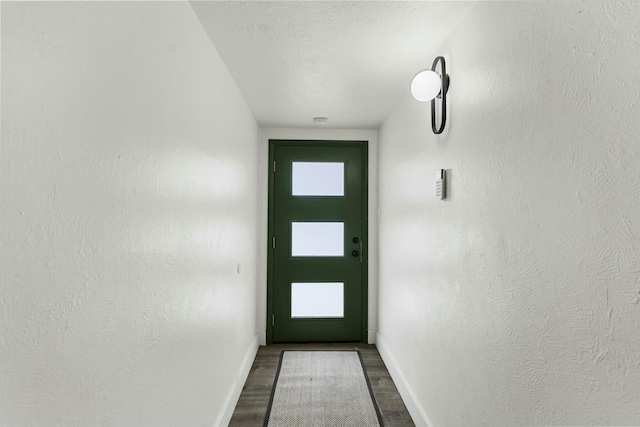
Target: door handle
<point x="355" y="254"/>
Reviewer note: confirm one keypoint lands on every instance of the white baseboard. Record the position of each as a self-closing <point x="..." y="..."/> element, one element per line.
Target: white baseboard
<point x="417" y="412"/>
<point x="371" y="336"/>
<point x="233" y="396"/>
<point x="262" y="337"/>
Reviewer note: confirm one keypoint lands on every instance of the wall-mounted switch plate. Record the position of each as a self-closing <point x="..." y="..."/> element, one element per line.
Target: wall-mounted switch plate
<point x="441" y="184"/>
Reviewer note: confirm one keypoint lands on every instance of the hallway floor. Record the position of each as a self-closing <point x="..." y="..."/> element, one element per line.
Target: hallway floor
<point x="253" y="402"/>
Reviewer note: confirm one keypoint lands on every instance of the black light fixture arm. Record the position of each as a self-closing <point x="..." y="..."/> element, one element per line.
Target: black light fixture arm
<point x="444" y="77"/>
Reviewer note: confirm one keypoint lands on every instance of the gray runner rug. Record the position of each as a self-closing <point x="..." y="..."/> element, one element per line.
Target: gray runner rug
<point x="322" y="389"/>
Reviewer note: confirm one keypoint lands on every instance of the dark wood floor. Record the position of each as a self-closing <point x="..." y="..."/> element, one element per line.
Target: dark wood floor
<point x="253" y="402"/>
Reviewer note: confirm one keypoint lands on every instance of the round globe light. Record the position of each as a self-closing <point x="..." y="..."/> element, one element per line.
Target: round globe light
<point x="426" y="85"/>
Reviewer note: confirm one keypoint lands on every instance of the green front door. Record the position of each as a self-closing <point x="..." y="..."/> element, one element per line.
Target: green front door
<point x="317" y="222"/>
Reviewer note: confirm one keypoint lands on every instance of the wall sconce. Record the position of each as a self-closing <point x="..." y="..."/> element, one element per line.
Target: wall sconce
<point x="428" y="85"/>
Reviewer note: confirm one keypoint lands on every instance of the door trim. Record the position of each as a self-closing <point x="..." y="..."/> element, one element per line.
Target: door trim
<point x="364" y="146"/>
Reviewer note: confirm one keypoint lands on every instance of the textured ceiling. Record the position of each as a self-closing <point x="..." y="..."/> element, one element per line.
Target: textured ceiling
<point x="348" y="61"/>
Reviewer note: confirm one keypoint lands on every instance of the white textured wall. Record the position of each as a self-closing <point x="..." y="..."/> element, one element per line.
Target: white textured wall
<point x="129" y="197"/>
<point x="517" y="300"/>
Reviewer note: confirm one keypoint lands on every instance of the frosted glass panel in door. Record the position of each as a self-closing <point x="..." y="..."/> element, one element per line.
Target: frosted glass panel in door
<point x="317" y="239"/>
<point x="317" y="300"/>
<point x="317" y="179"/>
